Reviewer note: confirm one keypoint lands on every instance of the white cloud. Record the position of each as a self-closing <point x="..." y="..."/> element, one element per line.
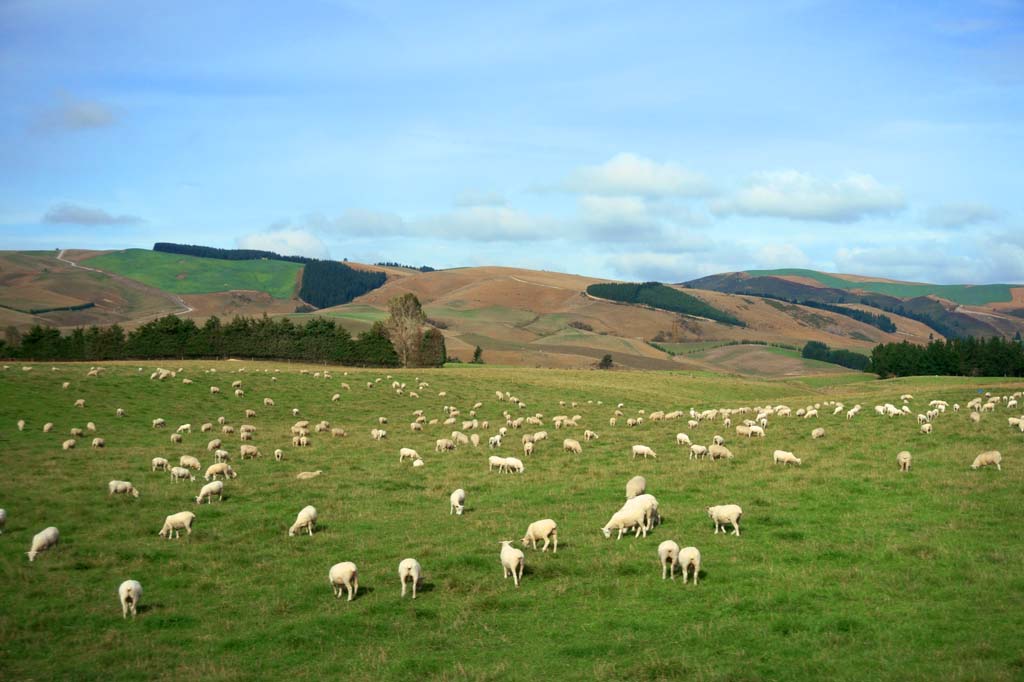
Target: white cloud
<point x="798" y="196"/>
<point x="629" y="174"/>
<point x="475" y="198"/>
<point x="487" y="223"/>
<point x="649" y="266"/>
<point x="358" y="222"/>
<point x="914" y="262"/>
<point x="287" y="242"/>
<point x="955" y="216"/>
<point x="74" y="214"/>
<point x="771" y="256"/>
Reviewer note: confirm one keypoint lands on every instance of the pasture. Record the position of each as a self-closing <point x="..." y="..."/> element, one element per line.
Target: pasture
<point x="846" y="569"/>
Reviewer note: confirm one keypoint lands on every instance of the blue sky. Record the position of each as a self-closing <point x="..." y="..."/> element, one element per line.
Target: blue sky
<point x="627" y="140"/>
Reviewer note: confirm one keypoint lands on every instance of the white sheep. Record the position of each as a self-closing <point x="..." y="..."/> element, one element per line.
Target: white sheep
<point x="528" y="448"/>
<point x="512" y="561"/>
<point x="219" y="469"/>
<point x="180" y="473"/>
<point x="47" y="427"/>
<point x="209" y="490"/>
<point x="175" y="522"/>
<point x="80" y="402"/>
<point x="129" y="593"/>
<point x="590" y="435"/>
<point x="649" y="504"/>
<point x="639" y="450"/>
<point x="719" y="452"/>
<point x="410" y="569"/>
<point x="3" y="520"/>
<point x="783" y="457"/>
<point x="682" y="439"/>
<point x="668" y="556"/>
<point x="443" y="444"/>
<point x="344" y="576"/>
<point x="513" y="465"/>
<point x="69" y="444"/>
<point x="214" y="445"/>
<point x="306" y="475"/>
<point x="690" y="557"/>
<point x="306" y="520"/>
<point x="626" y="519"/>
<point x="407" y="453"/>
<point x="723" y="514"/>
<point x="926" y="428"/>
<point x="495" y="461"/>
<point x="99" y="443"/>
<point x="159" y="463"/>
<point x="546" y="530"/>
<point x="494" y="442"/>
<point x="988" y="458"/>
<point x="159" y="423"/>
<point x="458" y="502"/>
<point x="636" y="486"/>
<point x="42" y="541"/>
<point x="122" y="488"/>
<point x="903" y="459"/>
<point x="818" y="433"/>
<point x="698" y="451"/>
<point x="572" y="445"/>
<point x="189" y="462"/>
<point x="717" y="440"/>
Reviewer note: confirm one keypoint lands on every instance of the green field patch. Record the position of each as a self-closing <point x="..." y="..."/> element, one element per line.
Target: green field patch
<point x="182" y="274"/>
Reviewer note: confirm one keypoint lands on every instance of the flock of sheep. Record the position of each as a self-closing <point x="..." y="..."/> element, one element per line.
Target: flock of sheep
<point x="639" y="513"/>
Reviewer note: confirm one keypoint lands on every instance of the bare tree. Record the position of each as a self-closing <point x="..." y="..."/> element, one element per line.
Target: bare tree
<point x="404" y="327"/>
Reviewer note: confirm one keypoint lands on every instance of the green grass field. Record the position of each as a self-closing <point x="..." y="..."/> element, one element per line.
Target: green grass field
<point x="966" y="294"/>
<point x="182" y="274"/>
<point x="846" y="569"/>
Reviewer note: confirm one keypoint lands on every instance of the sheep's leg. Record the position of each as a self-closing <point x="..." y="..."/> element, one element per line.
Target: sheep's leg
<point x="736" y="528"/>
<point x="662" y="570"/>
<point x="998" y="468"/>
<point x="547" y="541"/>
<point x="555" y="538"/>
<point x="696" y="571"/>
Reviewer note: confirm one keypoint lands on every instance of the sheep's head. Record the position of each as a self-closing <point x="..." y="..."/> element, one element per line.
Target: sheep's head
<point x="135" y="492"/>
<point x="607" y="532"/>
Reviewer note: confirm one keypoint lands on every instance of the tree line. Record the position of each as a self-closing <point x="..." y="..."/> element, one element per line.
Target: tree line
<point x="816" y="350"/>
<point x="879" y="321"/>
<point x="657" y="295"/>
<point x="967" y="356"/>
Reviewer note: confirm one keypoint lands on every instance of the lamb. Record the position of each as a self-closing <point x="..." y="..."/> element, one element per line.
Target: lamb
<point x="494" y="442"/>
<point x="185" y="428"/>
<point x="443" y="444"/>
<point x="590" y="435"/>
<point x="219" y="469"/>
<point x="175" y="522"/>
<point x="159" y="463"/>
<point x="625" y="519"/>
<point x="306" y="475"/>
<point x="159" y="423"/>
<point x="690" y="557"/>
<point x="903" y="459"/>
<point x="99" y="443"/>
<point x="179" y="473"/>
<point x="668" y="555"/>
<point x="458" y="502"/>
<point x="209" y="490"/>
<point x="645" y="451"/>
<point x="129" y="592"/>
<point x="512" y="560"/>
<point x="717" y="440"/>
<point x="572" y="445"/>
<point x="719" y="452"/>
<point x="682" y="439"/>
<point x="306" y="520"/>
<point x="42" y="541"/>
<point x="783" y="457"/>
<point x="698" y="451"/>
<point x="723" y="514"/>
<point x="409" y="569"/>
<point x="407" y="453"/>
<point x="546" y="530"/>
<point x="189" y="461"/>
<point x="987" y="458"/>
<point x="69" y="444"/>
<point x="926" y="428"/>
<point x="122" y="488"/>
<point x="344" y="575"/>
<point x="818" y="433"/>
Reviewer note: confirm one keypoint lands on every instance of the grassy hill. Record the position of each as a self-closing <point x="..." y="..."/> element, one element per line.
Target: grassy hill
<point x="182" y="274"/>
<point x="843" y="565"/>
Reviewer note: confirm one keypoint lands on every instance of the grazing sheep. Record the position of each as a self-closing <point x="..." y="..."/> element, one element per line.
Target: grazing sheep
<point x="221" y="456"/>
<point x="209" y="490"/>
<point x="926" y="428"/>
<point x="528" y="448"/>
<point x="572" y="445"/>
<point x="42" y="541"/>
<point x="783" y="457"/>
<point x="818" y="433"/>
<point x="755" y="431"/>
<point x="975" y="417"/>
<point x="306" y="475"/>
<point x="69" y="444"/>
<point x="903" y="459"/>
<point x="719" y="452"/>
<point x="122" y="488"/>
<point x="410" y="569"/>
<point x="184" y="428"/>
<point x="306" y="520"/>
<point x="698" y="451"/>
<point x="159" y="463"/>
<point x="219" y="469"/>
<point x="474" y="439"/>
<point x="495" y="461"/>
<point x="90" y="426"/>
<point x="513" y="465"/>
<point x="626" y="518"/>
<point x="636" y="486"/>
<point x="494" y="442"/>
<point x="129" y="593"/>
<point x="77" y="432"/>
<point x="717" y="440"/>
<point x="723" y="514"/>
<point x="179" y="473"/>
<point x="443" y="444"/>
<point x="189" y="461"/>
<point x="458" y="502"/>
<point x="175" y="522"/>
<point x="988" y="458"/>
<point x="227" y="429"/>
<point x="668" y="556"/>
<point x="206" y="427"/>
<point x="250" y="451"/>
<point x="214" y="445"/>
<point x="512" y="560"/>
<point x="645" y="451"/>
<point x="159" y="423"/>
<point x="47" y="427"/>
<point x="99" y="443"/>
<point x="80" y="402"/>
<point x="682" y="439"/>
<point x="407" y="453"/>
<point x="175" y="437"/>
<point x="546" y="530"/>
<point x="268" y="402"/>
<point x="338" y="432"/>
<point x="690" y="557"/>
<point x="21" y="424"/>
<point x="344" y="576"/>
<point x="590" y="435"/>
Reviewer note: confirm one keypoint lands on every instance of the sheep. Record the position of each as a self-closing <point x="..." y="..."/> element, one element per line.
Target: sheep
<point x="306" y="520"/>
<point x="250" y="451"/>
<point x="47" y="427"/>
<point x="184" y="428"/>
<point x="42" y="541"/>
<point x="268" y="402"/>
<point x="817" y="433"/>
<point x="189" y="462"/>
<point x="221" y="456"/>
<point x="227" y="429"/>
<point x="239" y="393"/>
<point x="219" y="469"/>
<point x="209" y="490"/>
<point x="636" y="486"/>
<point x="512" y="560"/>
<point x="206" y="427"/>
<point x="753" y="431"/>
<point x="457" y="502"/>
<point x="76" y="432"/>
<point x="649" y="504"/>
<point x="626" y="518"/>
<point x="811" y="413"/>
<point x="306" y="475"/>
<point x="698" y="451"/>
<point x="99" y="443"/>
<point x="682" y="439"/>
<point x="590" y="435"/>
<point x="717" y="440"/>
<point x="129" y="593"/>
<point x="80" y="402"/>
<point x="668" y="556"/>
<point x="442" y="444"/>
<point x="344" y="575"/>
<point x="474" y="440"/>
<point x="719" y="452"/>
<point x="723" y="514"/>
<point x="3" y="520"/>
<point x="69" y="444"/>
<point x="528" y="448"/>
<point x="926" y="428"/>
<point x="903" y="459"/>
<point x="175" y="437"/>
<point x="303" y="441"/>
<point x="987" y="458"/>
<point x="250" y="413"/>
<point x="122" y="488"/>
<point x="175" y="522"/>
<point x="179" y="473"/>
<point x="546" y="530"/>
<point x="410" y="569"/>
<point x="459" y="438"/>
<point x="783" y="457"/>
<point x="494" y="442"/>
<point x="743" y="430"/>
<point x="159" y="463"/>
<point x="975" y="417"/>
<point x="643" y="450"/>
<point x="407" y="453"/>
<point x="159" y="423"/>
<point x="690" y="557"/>
<point x="214" y="445"/>
<point x="90" y="427"/>
<point x="338" y="432"/>
<point x="21" y="424"/>
<point x="513" y="465"/>
<point x="572" y="445"/>
<point x="495" y="461"/>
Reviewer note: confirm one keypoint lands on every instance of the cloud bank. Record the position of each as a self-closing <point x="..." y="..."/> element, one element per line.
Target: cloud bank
<point x="74" y="214"/>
